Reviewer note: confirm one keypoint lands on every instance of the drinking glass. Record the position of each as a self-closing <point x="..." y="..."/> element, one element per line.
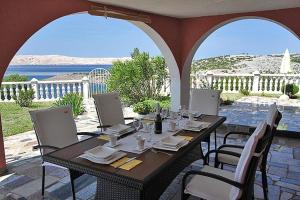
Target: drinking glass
<point x="151" y="131"/>
<point x="136" y="124"/>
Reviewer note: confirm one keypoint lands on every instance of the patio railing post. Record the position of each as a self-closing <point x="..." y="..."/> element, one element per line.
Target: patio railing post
<point x="209" y="76"/>
<point x="34" y="85"/>
<point x="86" y="87"/>
<point x="255" y="87"/>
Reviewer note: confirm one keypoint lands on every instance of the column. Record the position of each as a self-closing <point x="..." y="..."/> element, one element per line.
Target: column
<point x="255" y="81"/>
<point x="3" y="168"/>
<point x="209" y="76"/>
<point x="34" y="86"/>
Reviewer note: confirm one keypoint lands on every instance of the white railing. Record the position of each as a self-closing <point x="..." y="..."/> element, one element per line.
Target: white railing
<point x="45" y="90"/>
<point x="228" y="83"/>
<point x="255" y="83"/>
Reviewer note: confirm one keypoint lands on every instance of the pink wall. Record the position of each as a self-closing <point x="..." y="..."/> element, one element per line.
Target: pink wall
<point x="19" y="20"/>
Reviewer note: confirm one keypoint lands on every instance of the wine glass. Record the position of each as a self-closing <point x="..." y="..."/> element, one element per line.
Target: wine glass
<point x="136" y="124"/>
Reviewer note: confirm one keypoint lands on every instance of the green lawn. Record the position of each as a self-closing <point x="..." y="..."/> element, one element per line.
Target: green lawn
<point x="16" y="119"/>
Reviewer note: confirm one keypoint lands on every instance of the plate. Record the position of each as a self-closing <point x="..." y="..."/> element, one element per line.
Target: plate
<point x="118" y="128"/>
<point x="108" y="132"/>
<point x="101" y="152"/>
<point x="163" y="147"/>
<point x="115" y="157"/>
<point x="172" y="140"/>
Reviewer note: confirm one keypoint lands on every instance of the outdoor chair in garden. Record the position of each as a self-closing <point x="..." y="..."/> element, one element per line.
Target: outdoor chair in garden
<point x="55" y="128"/>
<point x="205" y="101"/>
<point x="214" y="183"/>
<point x="230" y="154"/>
<point x="109" y="109"/>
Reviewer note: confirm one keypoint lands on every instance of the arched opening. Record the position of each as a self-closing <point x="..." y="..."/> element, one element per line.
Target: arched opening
<point x="242" y="57"/>
<point x="38" y="41"/>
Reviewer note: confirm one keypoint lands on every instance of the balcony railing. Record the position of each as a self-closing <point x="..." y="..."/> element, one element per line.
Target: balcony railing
<point x="255" y="83"/>
<point x="228" y="83"/>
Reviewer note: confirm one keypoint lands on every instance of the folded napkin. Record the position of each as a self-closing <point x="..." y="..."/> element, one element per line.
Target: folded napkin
<point x="120" y="162"/>
<point x="187" y="138"/>
<point x="103" y="137"/>
<point x="131" y="164"/>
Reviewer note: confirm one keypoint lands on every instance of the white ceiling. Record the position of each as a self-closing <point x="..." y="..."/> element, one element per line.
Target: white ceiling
<point x="197" y="8"/>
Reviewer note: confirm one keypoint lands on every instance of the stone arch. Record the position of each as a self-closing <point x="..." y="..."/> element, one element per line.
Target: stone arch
<point x="185" y="74"/>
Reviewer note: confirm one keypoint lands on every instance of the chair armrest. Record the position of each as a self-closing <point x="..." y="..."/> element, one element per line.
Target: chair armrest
<point x="214" y="176"/>
<point x="88" y="133"/>
<point x="36" y="147"/>
<point x="103" y="126"/>
<point x="231" y="145"/>
<point x="128" y="118"/>
<point x="216" y="151"/>
<point x="234" y="133"/>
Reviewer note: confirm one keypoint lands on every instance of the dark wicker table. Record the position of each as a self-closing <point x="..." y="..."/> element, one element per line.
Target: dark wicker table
<point x="148" y="180"/>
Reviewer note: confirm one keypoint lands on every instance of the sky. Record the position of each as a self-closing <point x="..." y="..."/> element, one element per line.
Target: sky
<point x="83" y="35"/>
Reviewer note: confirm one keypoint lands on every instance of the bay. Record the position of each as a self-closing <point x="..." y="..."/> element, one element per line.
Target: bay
<point x="46" y="71"/>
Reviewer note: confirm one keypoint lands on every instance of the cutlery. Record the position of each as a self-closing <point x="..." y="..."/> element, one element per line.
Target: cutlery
<point x="127" y="161"/>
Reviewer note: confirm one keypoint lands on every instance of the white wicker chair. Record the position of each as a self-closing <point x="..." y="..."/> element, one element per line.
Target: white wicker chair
<point x="55" y="128"/>
<point x="205" y="101"/>
<point x="109" y="109"/>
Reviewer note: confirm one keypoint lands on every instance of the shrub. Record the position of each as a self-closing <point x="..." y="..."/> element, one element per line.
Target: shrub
<point x="149" y="105"/>
<point x="74" y="100"/>
<point x="15" y="78"/>
<point x="290" y="89"/>
<point x="138" y="79"/>
<point x="245" y="92"/>
<point x="25" y="97"/>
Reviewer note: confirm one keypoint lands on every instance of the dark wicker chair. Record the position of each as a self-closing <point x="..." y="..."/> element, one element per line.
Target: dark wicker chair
<point x="55" y="128"/>
<point x="230" y="154"/>
<point x="215" y="183"/>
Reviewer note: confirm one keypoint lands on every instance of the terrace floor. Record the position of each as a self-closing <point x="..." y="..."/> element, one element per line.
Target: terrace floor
<point x="23" y="180"/>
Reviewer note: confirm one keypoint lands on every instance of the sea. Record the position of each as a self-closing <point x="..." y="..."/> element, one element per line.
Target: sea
<point x="41" y="72"/>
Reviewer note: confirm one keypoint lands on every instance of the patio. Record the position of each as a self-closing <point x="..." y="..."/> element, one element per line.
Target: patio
<point x="24" y="177"/>
<point x="177" y="33"/>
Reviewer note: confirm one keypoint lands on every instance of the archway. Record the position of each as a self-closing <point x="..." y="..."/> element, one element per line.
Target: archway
<point x="185" y="81"/>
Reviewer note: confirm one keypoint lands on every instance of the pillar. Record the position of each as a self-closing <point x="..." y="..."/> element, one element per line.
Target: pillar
<point x="255" y="86"/>
<point x="3" y="168"/>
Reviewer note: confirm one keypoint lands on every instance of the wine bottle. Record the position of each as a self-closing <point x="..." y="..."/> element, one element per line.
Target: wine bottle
<point x="158" y="121"/>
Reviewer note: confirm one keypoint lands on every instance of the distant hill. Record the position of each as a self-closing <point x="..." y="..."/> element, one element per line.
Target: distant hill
<point x="61" y="60"/>
<point x="244" y="64"/>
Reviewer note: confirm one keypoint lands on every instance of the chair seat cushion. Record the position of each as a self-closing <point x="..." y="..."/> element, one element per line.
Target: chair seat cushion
<point x="209" y="188"/>
<point x="229" y="159"/>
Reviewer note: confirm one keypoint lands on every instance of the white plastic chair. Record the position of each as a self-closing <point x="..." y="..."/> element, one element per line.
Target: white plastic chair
<point x="109" y="109"/>
<point x="205" y="101"/>
<point x="55" y="128"/>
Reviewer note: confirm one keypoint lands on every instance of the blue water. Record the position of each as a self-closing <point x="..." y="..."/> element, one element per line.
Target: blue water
<point x="46" y="71"/>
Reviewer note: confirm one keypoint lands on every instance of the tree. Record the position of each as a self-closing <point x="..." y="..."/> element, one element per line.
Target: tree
<point x="138" y="79"/>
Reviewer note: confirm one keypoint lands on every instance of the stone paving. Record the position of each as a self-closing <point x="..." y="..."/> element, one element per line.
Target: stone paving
<point x="23" y="180"/>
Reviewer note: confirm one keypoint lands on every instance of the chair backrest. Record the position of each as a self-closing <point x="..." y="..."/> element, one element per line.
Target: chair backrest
<point x="272" y="115"/>
<point x="54" y="127"/>
<point x="245" y="159"/>
<point x="205" y="101"/>
<point x="109" y="108"/>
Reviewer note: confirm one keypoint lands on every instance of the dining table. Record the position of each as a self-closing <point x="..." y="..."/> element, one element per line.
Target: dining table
<point x="147" y="180"/>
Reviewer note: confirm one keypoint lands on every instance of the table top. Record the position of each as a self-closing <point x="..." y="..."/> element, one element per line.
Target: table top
<point x="152" y="163"/>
